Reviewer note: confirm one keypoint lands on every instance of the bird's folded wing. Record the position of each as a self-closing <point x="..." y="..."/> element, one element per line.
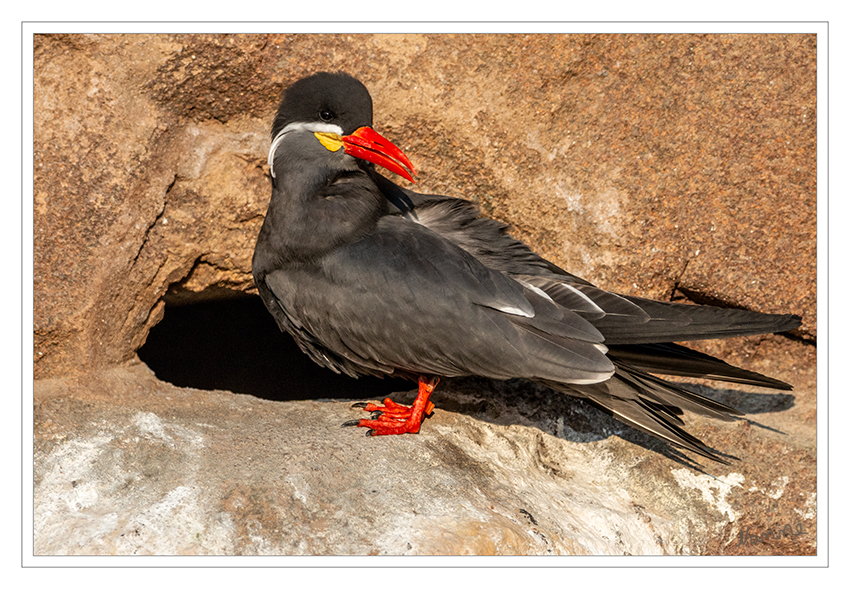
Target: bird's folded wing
<point x="405" y="297"/>
<point x="621" y="319"/>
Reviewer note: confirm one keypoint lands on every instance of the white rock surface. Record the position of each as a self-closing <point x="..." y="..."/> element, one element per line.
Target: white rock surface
<point x="126" y="464"/>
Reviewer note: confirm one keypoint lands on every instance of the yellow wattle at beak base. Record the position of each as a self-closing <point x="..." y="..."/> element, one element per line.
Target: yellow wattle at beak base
<point x="331" y="141"/>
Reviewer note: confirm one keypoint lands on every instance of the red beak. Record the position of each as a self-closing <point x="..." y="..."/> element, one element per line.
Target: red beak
<point x="367" y="144"/>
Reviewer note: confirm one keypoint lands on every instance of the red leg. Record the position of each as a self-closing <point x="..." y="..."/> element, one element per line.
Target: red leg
<point x="399" y="419"/>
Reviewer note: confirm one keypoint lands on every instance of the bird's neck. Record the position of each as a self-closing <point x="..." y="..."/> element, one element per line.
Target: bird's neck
<point x="307" y="219"/>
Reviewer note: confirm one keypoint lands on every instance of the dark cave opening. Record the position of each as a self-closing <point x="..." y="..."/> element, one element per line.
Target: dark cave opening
<point x="235" y="344"/>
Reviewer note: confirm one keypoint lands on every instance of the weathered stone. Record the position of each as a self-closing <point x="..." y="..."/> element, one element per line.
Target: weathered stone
<point x="655" y="165"/>
<point x="127" y="464"/>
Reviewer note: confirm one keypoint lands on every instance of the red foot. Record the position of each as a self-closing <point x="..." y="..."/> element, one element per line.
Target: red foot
<point x="400" y="419"/>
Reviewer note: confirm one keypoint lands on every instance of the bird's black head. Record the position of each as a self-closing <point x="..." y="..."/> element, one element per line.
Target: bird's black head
<point x="337" y="110"/>
<point x="332" y="98"/>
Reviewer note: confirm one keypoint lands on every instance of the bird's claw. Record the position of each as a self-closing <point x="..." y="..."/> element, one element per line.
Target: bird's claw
<point x="392" y="418"/>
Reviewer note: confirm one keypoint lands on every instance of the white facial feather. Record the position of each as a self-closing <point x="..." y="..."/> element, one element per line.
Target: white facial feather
<point x="313" y="127"/>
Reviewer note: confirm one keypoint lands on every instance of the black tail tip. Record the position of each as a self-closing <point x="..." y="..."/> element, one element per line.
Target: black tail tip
<point x="789" y="322"/>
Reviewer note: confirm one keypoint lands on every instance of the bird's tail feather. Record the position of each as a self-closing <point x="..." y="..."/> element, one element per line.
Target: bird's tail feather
<point x="653" y="406"/>
<point x="671" y="322"/>
<point x="642" y="408"/>
<point x="673" y="359"/>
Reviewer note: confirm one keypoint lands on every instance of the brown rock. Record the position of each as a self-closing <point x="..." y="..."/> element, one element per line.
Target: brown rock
<point x="656" y="165"/>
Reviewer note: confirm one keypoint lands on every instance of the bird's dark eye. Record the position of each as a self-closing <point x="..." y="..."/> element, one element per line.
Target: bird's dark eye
<point x="326" y="114"/>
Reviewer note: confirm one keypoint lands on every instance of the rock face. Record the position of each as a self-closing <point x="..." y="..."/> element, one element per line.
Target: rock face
<point x="127" y="464"/>
<point x="660" y="166"/>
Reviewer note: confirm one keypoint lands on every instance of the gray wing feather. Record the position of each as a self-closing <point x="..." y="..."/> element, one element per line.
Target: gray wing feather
<point x="453" y="317"/>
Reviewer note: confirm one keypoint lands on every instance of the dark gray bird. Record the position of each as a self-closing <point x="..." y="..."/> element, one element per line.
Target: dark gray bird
<point x="372" y="278"/>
